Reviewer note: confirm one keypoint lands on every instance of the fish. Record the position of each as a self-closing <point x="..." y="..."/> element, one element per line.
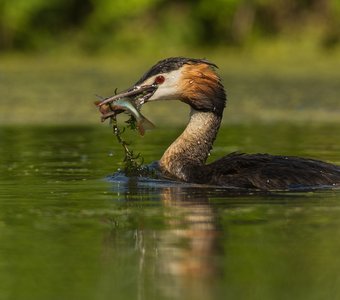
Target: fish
<point x="124" y="104"/>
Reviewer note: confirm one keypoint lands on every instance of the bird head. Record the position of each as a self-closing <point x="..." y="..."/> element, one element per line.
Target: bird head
<point x="193" y="81"/>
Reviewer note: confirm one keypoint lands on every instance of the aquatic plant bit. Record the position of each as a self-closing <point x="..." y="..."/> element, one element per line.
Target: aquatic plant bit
<point x="132" y="162"/>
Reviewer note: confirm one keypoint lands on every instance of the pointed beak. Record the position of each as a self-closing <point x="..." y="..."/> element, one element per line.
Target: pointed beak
<point x="138" y="94"/>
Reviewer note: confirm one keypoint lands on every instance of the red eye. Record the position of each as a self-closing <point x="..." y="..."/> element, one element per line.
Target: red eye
<point x="159" y="79"/>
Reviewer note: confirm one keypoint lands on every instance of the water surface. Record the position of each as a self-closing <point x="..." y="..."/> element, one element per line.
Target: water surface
<point x="68" y="232"/>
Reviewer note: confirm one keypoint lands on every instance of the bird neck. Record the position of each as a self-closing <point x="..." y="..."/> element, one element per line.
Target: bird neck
<point x="189" y="152"/>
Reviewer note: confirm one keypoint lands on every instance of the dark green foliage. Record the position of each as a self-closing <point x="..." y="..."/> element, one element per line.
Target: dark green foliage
<point x="123" y="25"/>
<point x="133" y="163"/>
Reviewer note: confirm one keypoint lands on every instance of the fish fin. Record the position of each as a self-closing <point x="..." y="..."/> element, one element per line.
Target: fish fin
<point x="144" y="124"/>
<point x="141" y="129"/>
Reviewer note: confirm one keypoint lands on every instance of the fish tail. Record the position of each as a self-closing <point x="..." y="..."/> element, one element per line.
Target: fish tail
<point x="144" y="124"/>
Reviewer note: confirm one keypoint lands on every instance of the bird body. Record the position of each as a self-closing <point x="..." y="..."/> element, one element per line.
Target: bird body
<point x="272" y="172"/>
<point x="186" y="157"/>
<point x="196" y="83"/>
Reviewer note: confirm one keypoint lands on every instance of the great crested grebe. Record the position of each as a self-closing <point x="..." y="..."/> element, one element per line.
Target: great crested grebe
<point x="196" y="83"/>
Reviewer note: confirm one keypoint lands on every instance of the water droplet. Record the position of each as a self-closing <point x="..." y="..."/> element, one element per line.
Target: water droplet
<point x="110" y="154"/>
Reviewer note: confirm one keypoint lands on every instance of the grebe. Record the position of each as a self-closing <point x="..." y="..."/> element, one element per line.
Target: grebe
<point x="196" y="83"/>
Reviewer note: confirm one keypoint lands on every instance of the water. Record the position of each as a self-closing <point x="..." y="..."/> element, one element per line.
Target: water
<point x="68" y="232"/>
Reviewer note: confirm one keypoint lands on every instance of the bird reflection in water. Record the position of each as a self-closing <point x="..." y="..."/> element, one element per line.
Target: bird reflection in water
<point x="189" y="248"/>
<point x="182" y="257"/>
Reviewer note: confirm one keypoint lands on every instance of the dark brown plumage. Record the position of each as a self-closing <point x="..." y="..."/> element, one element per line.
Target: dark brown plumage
<point x="271" y="172"/>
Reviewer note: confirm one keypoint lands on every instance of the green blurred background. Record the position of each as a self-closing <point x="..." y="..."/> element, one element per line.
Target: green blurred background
<point x="95" y="26"/>
<point x="56" y="55"/>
